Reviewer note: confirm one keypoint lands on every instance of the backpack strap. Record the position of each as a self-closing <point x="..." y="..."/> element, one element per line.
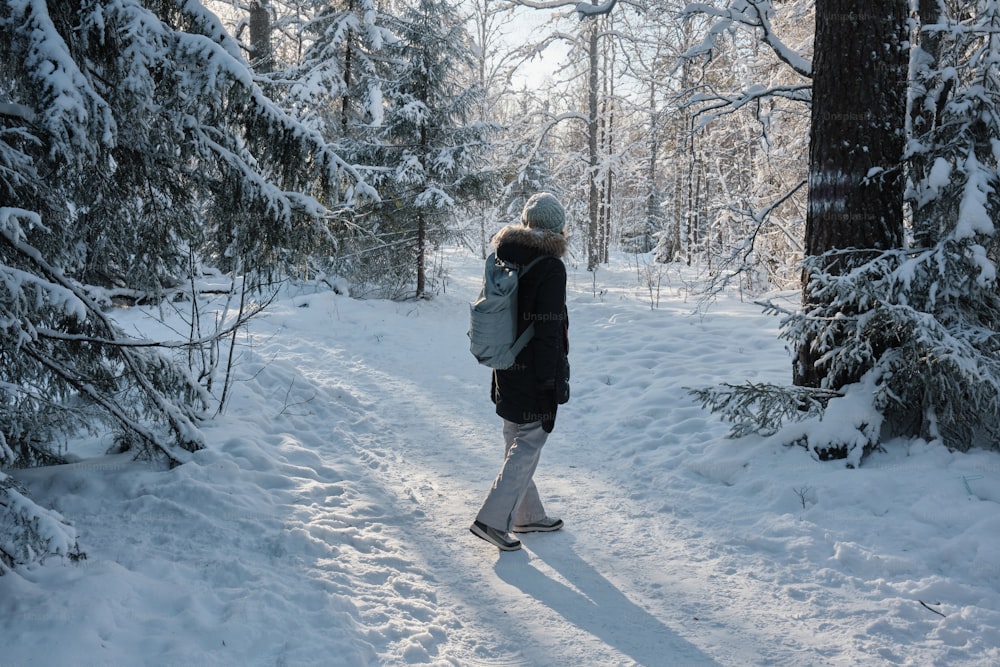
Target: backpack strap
<point x="527" y="267"/>
<point x="522" y="268"/>
<point x="523" y="339"/>
<point x="528" y="333"/>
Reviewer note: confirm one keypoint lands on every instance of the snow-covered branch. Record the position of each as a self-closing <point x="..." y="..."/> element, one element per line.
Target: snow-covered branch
<point x="152" y="442"/>
<point x="83" y="307"/>
<point x="588" y="10"/>
<point x="73" y="111"/>
<point x="17" y="111"/>
<point x="764" y="213"/>
<point x="584" y="9"/>
<point x="28" y="532"/>
<point x="713" y="105"/>
<point x="753" y="14"/>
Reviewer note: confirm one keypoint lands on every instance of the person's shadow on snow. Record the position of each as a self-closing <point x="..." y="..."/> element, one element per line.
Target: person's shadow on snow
<point x="596" y="606"/>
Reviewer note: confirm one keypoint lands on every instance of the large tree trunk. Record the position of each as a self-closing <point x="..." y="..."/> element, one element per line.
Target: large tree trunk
<point x="260" y="37"/>
<point x="593" y="193"/>
<point x="422" y="222"/>
<point x="858" y="115"/>
<point x="345" y="100"/>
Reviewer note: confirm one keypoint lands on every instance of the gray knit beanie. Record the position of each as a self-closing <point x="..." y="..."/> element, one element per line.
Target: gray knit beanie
<point x="543" y="211"/>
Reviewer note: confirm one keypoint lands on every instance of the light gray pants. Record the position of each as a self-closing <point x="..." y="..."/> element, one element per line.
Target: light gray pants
<point x="514" y="500"/>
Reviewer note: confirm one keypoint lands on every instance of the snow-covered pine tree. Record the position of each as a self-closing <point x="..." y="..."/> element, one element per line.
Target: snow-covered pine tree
<point x="914" y="327"/>
<point x="909" y="335"/>
<point x="943" y="380"/>
<point x="429" y="160"/>
<point x="28" y="532"/>
<point x="530" y="160"/>
<point x="533" y="175"/>
<point x="336" y="89"/>
<point x="132" y="134"/>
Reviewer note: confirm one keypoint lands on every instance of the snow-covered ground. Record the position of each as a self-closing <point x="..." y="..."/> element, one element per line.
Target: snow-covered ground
<point x="327" y="522"/>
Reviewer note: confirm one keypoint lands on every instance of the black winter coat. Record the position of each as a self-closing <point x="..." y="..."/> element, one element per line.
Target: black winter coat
<point x="538" y="381"/>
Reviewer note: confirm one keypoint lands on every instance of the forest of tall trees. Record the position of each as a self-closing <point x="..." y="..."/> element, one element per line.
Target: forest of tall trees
<point x="846" y="149"/>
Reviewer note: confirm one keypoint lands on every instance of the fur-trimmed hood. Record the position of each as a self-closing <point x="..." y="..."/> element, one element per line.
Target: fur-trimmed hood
<point x="543" y="241"/>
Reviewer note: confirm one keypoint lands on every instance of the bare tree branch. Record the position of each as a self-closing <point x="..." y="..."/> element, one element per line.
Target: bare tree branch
<point x="241" y="320"/>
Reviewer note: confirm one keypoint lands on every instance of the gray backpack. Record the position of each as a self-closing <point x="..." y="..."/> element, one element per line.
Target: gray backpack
<point x="493" y="338"/>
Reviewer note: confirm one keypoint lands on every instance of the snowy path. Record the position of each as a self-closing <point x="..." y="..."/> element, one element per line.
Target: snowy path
<point x="436" y="454"/>
<point x="617" y="586"/>
<point x="327" y="522"/>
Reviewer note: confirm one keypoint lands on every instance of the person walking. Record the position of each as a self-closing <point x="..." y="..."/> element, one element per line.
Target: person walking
<point x="528" y="393"/>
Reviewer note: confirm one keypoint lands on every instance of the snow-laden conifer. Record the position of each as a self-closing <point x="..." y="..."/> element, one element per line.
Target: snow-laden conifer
<point x="427" y="155"/>
<point x="907" y="341"/>
<point x="30" y="533"/>
<point x="135" y="142"/>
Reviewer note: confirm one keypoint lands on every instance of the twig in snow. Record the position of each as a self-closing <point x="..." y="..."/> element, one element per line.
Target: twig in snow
<point x="803" y="494"/>
<point x="927" y="606"/>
